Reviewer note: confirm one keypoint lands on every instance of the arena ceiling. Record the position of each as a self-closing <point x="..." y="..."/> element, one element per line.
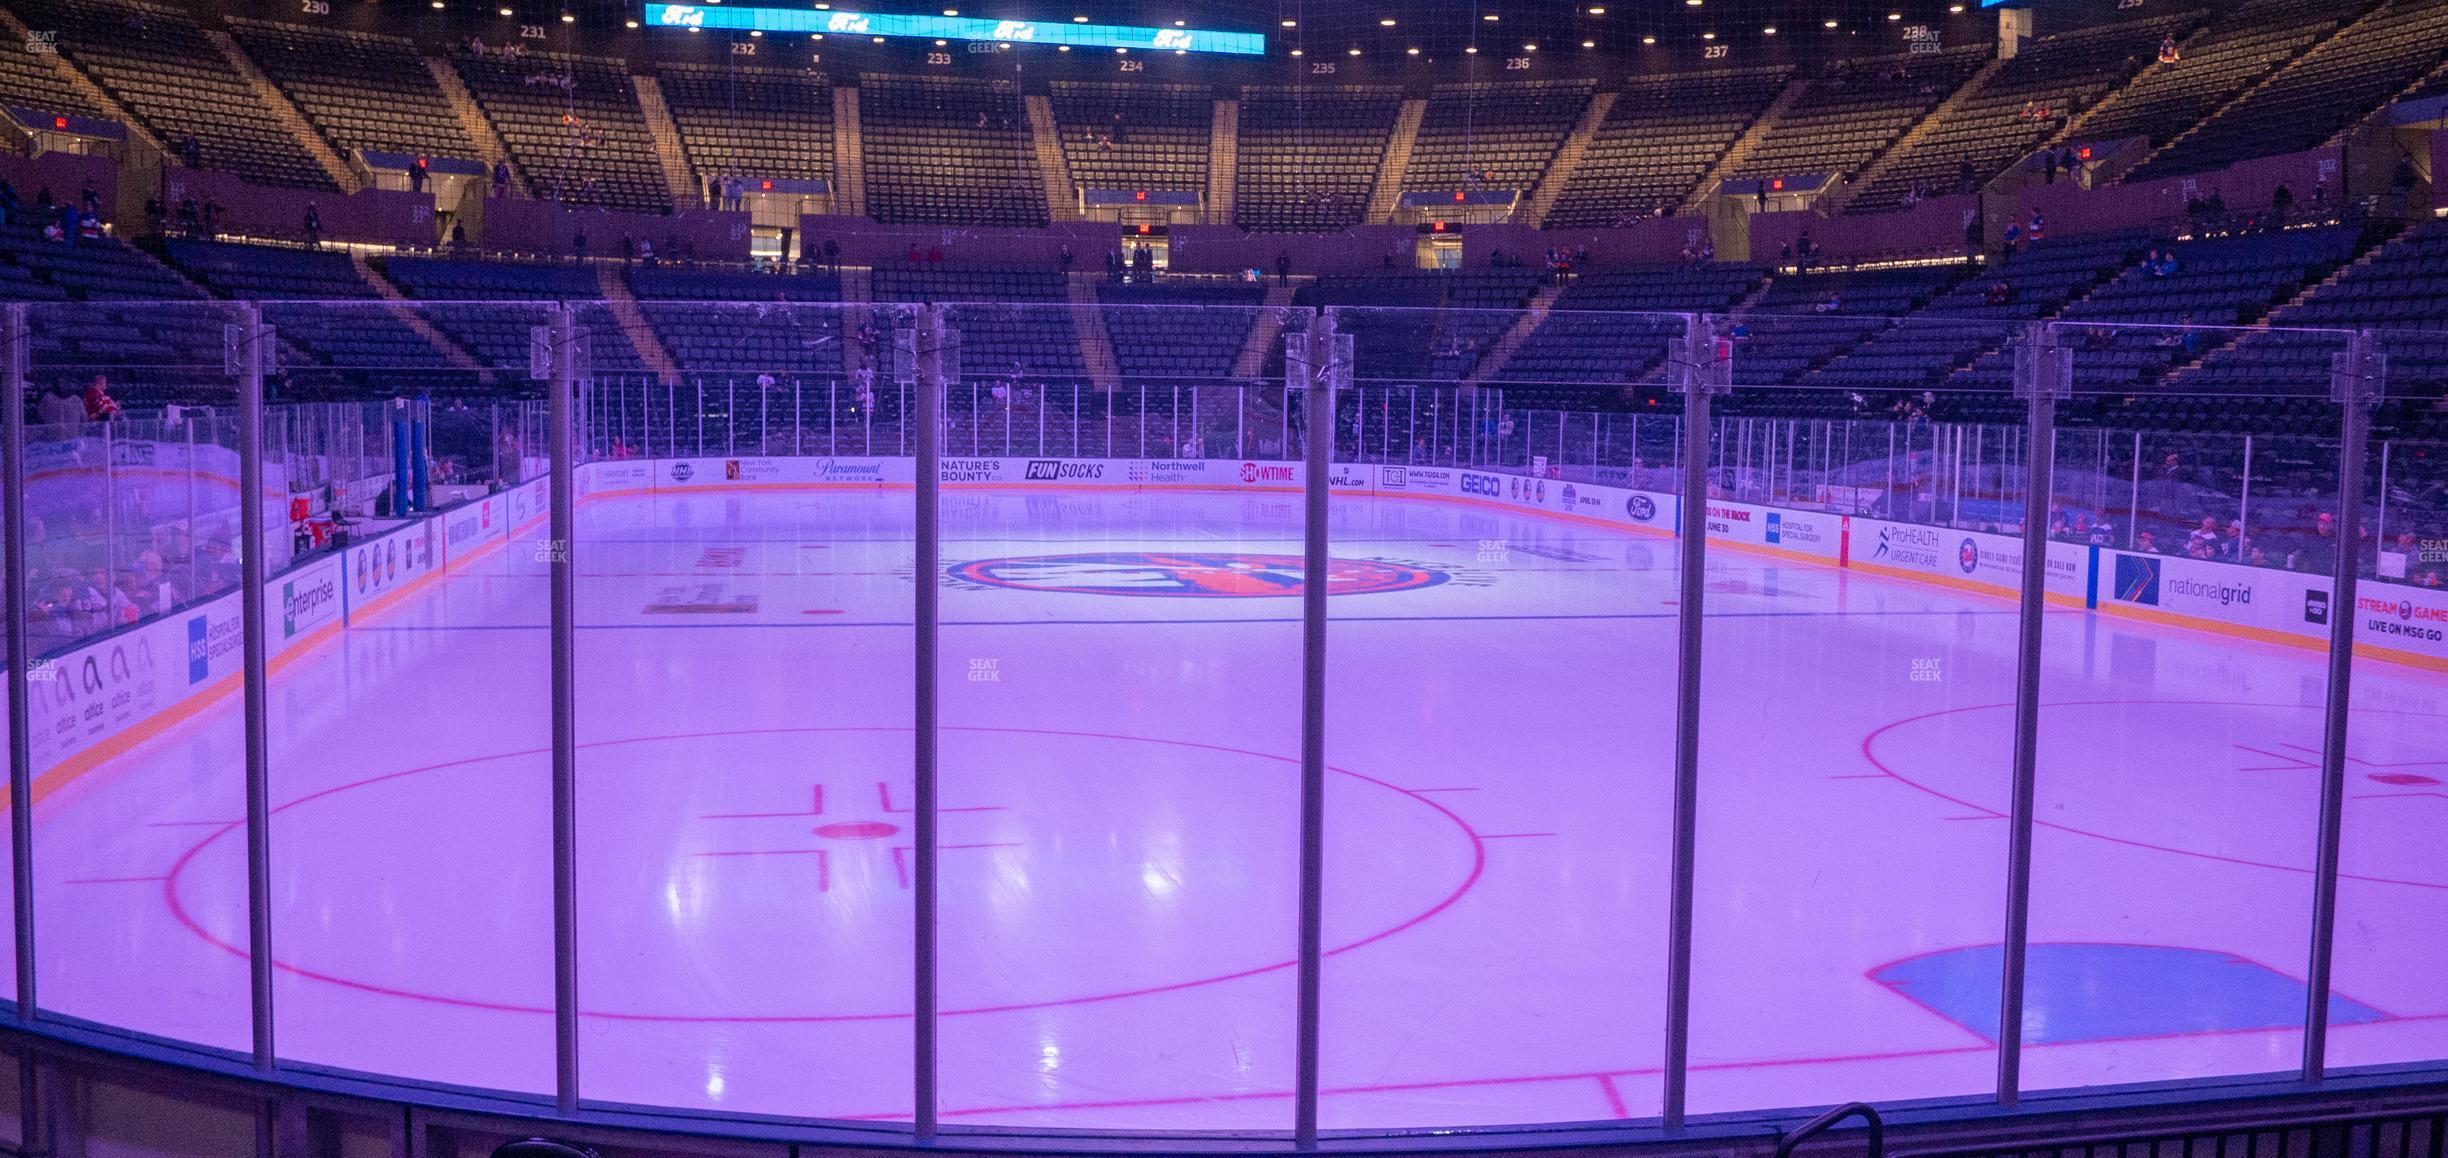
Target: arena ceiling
<point x="1446" y="29"/>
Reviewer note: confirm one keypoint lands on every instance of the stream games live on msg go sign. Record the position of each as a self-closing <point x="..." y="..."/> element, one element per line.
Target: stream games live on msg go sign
<point x="840" y="23"/>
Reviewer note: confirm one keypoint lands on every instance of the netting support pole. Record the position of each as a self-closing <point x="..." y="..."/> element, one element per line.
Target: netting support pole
<point x="13" y="354"/>
<point x="1704" y="369"/>
<point x="561" y="412"/>
<point x="2355" y="385"/>
<point x="2044" y="374"/>
<point x="932" y="381"/>
<point x="249" y="336"/>
<point x="1319" y="361"/>
<point x="20" y="669"/>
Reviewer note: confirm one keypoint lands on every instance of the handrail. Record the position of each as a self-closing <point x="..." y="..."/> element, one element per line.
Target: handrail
<point x="1876" y="1125"/>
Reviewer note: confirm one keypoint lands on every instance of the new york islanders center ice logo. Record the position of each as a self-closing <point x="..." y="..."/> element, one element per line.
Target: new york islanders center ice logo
<point x="1189" y="575"/>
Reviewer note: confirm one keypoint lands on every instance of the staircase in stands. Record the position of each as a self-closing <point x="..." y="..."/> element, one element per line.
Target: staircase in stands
<point x="1388" y="191"/>
<point x="1223" y="159"/>
<point x="2370" y="16"/>
<point x="1062" y="196"/>
<point x="400" y="307"/>
<point x="284" y="112"/>
<point x="1087" y="321"/>
<point x="1534" y="312"/>
<point x="849" y="154"/>
<point x="1845" y="192"/>
<point x="686" y="185"/>
<point x="1744" y="145"/>
<point x="1568" y="158"/>
<point x="633" y="323"/>
<point x="472" y="118"/>
<point x="1264" y="333"/>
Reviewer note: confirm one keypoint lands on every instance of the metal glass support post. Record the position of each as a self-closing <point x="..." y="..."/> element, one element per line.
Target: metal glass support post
<point x="2355" y="383"/>
<point x="1319" y="360"/>
<point x="20" y="670"/>
<point x="250" y="337"/>
<point x="560" y="411"/>
<point x="933" y="379"/>
<point x="1704" y="368"/>
<point x="2044" y="373"/>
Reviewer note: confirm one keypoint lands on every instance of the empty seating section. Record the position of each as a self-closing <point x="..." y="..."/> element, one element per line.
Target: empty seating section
<point x="2256" y="40"/>
<point x="1134" y="136"/>
<point x="2400" y="291"/>
<point x="1424" y="327"/>
<point x="740" y="323"/>
<point x="2147" y="323"/>
<point x="30" y="80"/>
<point x="1613" y="327"/>
<point x="1019" y="328"/>
<point x="1176" y="332"/>
<point x="1309" y="156"/>
<point x="1493" y="136"/>
<point x="1851" y="112"/>
<point x="351" y="342"/>
<point x="1657" y="142"/>
<point x="1801" y="322"/>
<point x="752" y="122"/>
<point x="1980" y="314"/>
<point x="2021" y="105"/>
<point x="572" y="124"/>
<point x="361" y="91"/>
<point x="499" y="334"/>
<point x="2320" y="94"/>
<point x="155" y="60"/>
<point x="153" y="353"/>
<point x="948" y="150"/>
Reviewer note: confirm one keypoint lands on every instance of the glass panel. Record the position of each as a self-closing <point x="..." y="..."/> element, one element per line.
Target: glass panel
<point x="1865" y="519"/>
<point x="2392" y="912"/>
<point x="2180" y="722"/>
<point x="411" y="839"/>
<point x="132" y="506"/>
<point x="745" y="702"/>
<point x="1120" y="680"/>
<point x="1499" y="701"/>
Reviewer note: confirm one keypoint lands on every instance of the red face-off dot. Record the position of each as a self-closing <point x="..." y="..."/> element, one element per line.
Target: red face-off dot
<point x="857" y="830"/>
<point x="2404" y="778"/>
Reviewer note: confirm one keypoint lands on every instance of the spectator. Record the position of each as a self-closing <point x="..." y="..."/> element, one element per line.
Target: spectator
<point x="2168" y="52"/>
<point x="191" y="153"/>
<point x="8" y="203"/>
<point x="60" y="406"/>
<point x="578" y="247"/>
<point x="2282" y="203"/>
<point x="314" y="227"/>
<point x="458" y="238"/>
<point x="2049" y="165"/>
<point x="2147" y="543"/>
<point x="501" y="178"/>
<point x="99" y="405"/>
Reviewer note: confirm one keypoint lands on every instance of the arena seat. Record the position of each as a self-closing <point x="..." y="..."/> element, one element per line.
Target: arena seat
<point x="1134" y="136"/>
<point x="1493" y="136"/>
<point x="948" y="151"/>
<point x="751" y="122"/>
<point x="2235" y="53"/>
<point x="1310" y="156"/>
<point x="500" y="338"/>
<point x="1852" y="111"/>
<point x="1658" y="141"/>
<point x="360" y="90"/>
<point x="572" y="124"/>
<point x="2318" y="94"/>
<point x="2024" y="103"/>
<point x="155" y="60"/>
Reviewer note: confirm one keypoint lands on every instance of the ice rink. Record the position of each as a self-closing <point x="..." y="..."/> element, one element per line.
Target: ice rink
<point x="1120" y="692"/>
